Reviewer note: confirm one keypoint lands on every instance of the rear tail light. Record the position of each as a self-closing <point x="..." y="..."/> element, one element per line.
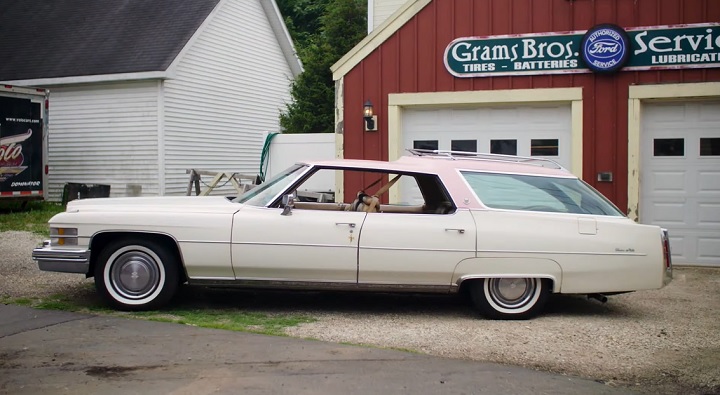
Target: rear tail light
<point x="666" y="249"/>
<point x="667" y="257"/>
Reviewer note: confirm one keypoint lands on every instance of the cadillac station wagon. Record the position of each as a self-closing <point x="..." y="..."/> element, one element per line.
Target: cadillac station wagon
<point x="505" y="230"/>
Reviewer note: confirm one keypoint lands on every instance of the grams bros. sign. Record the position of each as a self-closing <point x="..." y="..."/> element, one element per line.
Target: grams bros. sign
<point x="604" y="48"/>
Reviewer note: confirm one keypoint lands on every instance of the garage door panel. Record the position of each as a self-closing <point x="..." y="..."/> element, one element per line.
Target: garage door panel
<point x="677" y="245"/>
<point x="500" y="116"/>
<point x="669" y="213"/>
<point x="658" y="114"/>
<point x="708" y="249"/>
<point x="708" y="113"/>
<point x="710" y="181"/>
<point x="709" y="215"/>
<point x="680" y="176"/>
<point x="425" y="121"/>
<point x="464" y="119"/>
<point x="668" y="182"/>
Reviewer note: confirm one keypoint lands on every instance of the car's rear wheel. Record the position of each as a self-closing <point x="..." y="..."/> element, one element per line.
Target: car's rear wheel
<point x="136" y="274"/>
<point x="510" y="298"/>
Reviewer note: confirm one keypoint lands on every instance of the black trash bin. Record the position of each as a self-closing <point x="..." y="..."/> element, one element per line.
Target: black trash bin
<point x="73" y="191"/>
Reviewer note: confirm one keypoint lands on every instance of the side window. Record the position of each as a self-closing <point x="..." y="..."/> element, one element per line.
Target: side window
<point x="319" y="187"/>
<point x="318" y="192"/>
<point x="573" y="196"/>
<point x="505" y="192"/>
<point x="538" y="193"/>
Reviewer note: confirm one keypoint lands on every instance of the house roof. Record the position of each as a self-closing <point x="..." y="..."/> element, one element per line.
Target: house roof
<point x="51" y="40"/>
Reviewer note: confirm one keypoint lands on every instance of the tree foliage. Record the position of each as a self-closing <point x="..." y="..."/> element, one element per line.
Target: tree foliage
<point x="321" y="41"/>
<point x="302" y="18"/>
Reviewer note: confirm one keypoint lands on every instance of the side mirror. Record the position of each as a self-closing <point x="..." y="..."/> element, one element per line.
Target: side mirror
<point x="289" y="202"/>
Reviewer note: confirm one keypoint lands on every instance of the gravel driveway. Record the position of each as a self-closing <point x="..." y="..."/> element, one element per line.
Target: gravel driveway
<point x="665" y="341"/>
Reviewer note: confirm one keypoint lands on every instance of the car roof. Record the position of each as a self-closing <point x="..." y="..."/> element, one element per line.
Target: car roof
<point x="438" y="164"/>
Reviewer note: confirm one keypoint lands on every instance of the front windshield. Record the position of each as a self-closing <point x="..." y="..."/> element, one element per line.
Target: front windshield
<point x="267" y="191"/>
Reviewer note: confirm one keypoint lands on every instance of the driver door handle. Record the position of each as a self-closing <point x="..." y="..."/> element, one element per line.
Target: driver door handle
<point x="350" y="224"/>
<point x="455" y="229"/>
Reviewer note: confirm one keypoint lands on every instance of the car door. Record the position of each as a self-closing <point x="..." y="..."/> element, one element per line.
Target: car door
<point x="414" y="249"/>
<point x="307" y="245"/>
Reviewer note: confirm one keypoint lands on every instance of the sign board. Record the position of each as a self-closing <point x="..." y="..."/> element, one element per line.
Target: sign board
<point x="600" y="49"/>
<point x="21" y="156"/>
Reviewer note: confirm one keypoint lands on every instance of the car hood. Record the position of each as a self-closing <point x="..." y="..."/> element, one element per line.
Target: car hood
<point x="155" y="204"/>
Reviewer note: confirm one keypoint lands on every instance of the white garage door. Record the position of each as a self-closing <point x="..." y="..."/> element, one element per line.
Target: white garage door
<point x="680" y="177"/>
<point x="519" y="130"/>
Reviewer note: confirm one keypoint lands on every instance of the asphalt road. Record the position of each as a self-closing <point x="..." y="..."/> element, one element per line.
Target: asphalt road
<point x="51" y="352"/>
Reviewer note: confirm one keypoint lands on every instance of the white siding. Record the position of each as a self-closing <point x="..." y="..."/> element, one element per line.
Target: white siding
<point x="229" y="89"/>
<point x="104" y="134"/>
<point x="382" y="9"/>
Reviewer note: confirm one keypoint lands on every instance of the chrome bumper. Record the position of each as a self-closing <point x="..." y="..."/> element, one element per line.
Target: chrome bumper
<point x="50" y="259"/>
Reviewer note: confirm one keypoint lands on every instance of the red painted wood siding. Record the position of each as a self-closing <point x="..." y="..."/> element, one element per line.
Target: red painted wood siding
<point x="412" y="61"/>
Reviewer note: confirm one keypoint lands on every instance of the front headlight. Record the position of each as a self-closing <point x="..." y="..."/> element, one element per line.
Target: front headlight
<point x="64" y="236"/>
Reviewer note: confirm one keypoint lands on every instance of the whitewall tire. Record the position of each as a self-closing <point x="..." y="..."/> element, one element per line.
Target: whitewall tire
<point x="510" y="298"/>
<point x="136" y="274"/>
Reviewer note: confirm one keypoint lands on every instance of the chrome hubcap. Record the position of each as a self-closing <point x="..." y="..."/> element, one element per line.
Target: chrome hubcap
<point x="135" y="275"/>
<point x="512" y="292"/>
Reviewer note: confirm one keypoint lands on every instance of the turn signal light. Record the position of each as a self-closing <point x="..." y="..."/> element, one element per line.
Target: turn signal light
<point x="63" y="236"/>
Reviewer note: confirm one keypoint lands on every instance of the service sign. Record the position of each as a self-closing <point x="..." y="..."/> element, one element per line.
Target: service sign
<point x="604" y="48"/>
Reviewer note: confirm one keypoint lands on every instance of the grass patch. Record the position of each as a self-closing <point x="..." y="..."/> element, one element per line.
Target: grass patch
<point x="31" y="218"/>
<point x="228" y="319"/>
<point x="22" y="302"/>
<point x="232" y="319"/>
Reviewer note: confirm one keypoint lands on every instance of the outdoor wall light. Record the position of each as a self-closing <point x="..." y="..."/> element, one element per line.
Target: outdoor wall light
<point x="369" y="118"/>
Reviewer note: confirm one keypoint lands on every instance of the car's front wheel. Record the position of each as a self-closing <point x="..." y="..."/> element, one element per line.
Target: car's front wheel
<point x="136" y="274"/>
<point x="510" y="298"/>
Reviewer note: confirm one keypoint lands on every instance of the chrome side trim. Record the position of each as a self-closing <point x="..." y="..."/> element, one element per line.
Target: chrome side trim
<point x="50" y="259"/>
<point x="427" y="249"/>
<point x="513" y="275"/>
<point x="559" y="252"/>
<point x="354" y="246"/>
<point x="154" y="232"/>
<point x="322" y="286"/>
<point x="419" y="249"/>
<point x="202" y="242"/>
<point x="296" y="245"/>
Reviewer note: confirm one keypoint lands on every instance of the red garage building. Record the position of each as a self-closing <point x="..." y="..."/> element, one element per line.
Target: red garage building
<point x="624" y="93"/>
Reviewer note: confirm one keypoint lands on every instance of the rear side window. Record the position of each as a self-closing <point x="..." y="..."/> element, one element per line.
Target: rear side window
<point x="538" y="193"/>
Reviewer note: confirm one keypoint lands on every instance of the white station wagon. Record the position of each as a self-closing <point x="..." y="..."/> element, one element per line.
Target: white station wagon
<point x="507" y="230"/>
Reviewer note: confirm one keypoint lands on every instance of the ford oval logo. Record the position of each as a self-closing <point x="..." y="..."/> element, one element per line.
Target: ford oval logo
<point x="605" y="48"/>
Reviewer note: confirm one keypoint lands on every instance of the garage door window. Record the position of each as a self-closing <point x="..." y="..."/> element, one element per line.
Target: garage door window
<point x="425" y="144"/>
<point x="709" y="146"/>
<point x="544" y="147"/>
<point x="463" y="145"/>
<point x="503" y="147"/>
<point x="669" y="147"/>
